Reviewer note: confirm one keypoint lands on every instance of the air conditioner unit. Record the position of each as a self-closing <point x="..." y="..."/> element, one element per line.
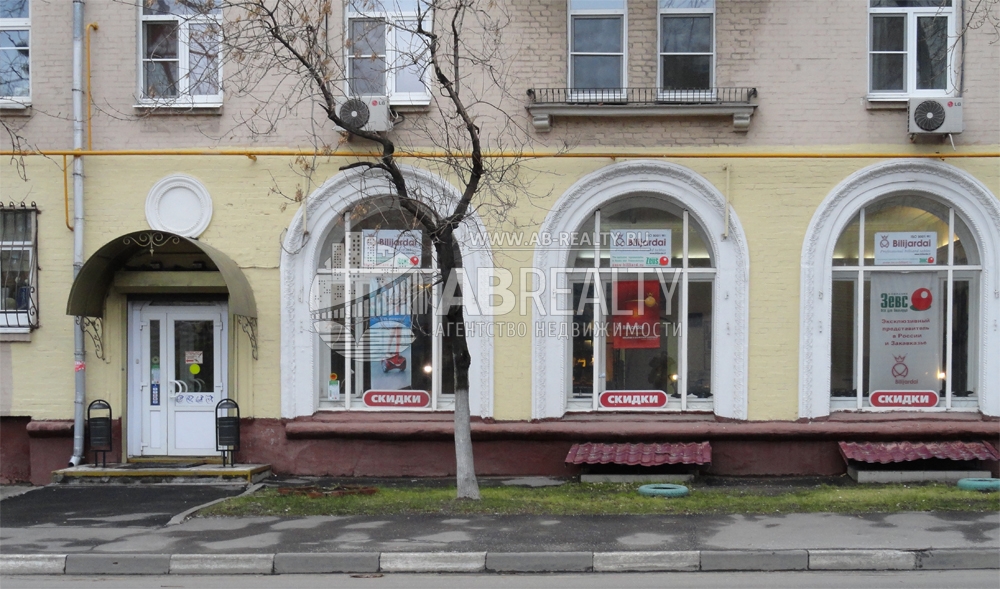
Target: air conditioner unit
<point x="367" y="113"/>
<point x="938" y="116"/>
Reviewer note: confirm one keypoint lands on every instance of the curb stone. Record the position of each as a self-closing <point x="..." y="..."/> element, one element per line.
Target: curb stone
<point x="620" y="562"/>
<point x="432" y="562"/>
<point x="32" y="564"/>
<point x="221" y="564"/>
<point x="959" y="559"/>
<point x="754" y="560"/>
<point x="117" y="564"/>
<point x="539" y="562"/>
<point x="868" y="560"/>
<point x="501" y="562"/>
<point x="329" y="562"/>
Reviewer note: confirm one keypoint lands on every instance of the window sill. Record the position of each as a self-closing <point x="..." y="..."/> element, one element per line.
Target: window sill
<point x="179" y="108"/>
<point x="13" y="108"/>
<point x="409" y="107"/>
<point x="875" y="103"/>
<point x="15" y="334"/>
<point x="542" y="114"/>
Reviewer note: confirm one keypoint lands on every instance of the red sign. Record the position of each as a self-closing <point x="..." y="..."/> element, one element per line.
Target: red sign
<point x="633" y="399"/>
<point x="636" y="321"/>
<point x="397" y="399"/>
<point x="904" y="399"/>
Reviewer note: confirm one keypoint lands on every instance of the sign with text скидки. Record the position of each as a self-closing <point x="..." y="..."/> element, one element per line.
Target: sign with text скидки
<point x="640" y="248"/>
<point x="390" y="248"/>
<point x="903" y="248"/>
<point x="905" y="336"/>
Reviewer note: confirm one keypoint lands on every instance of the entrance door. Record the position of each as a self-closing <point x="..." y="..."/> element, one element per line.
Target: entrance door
<point x="179" y="369"/>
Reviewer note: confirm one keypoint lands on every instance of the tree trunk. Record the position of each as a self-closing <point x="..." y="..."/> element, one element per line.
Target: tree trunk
<point x="449" y="261"/>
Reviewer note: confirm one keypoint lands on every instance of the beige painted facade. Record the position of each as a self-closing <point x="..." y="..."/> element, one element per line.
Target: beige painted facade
<point x="807" y="59"/>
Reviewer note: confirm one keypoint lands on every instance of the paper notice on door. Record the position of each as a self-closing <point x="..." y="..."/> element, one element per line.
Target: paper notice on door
<point x="194" y="357"/>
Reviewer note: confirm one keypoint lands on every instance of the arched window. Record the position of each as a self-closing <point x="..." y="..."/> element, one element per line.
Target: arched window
<point x="900" y="297"/>
<point x="373" y="313"/>
<point x="642" y="309"/>
<point x="643" y="296"/>
<point x="358" y="293"/>
<point x="904" y="320"/>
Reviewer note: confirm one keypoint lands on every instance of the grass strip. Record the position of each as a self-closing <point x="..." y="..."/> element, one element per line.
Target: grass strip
<point x="615" y="499"/>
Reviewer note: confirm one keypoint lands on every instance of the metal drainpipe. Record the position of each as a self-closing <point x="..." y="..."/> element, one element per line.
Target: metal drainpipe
<point x="79" y="364"/>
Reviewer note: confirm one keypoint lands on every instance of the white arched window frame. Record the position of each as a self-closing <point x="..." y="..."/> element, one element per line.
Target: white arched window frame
<point x="943" y="183"/>
<point x="673" y="185"/>
<point x="303" y="253"/>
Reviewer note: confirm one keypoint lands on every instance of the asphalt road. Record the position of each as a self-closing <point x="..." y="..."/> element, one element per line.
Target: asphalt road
<point x="107" y="505"/>
<point x="984" y="579"/>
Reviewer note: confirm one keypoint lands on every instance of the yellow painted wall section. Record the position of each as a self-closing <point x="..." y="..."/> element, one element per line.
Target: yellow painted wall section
<point x="774" y="199"/>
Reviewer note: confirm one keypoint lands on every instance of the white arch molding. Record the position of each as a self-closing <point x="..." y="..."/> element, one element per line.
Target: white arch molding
<point x="683" y="187"/>
<point x="972" y="200"/>
<point x="300" y="257"/>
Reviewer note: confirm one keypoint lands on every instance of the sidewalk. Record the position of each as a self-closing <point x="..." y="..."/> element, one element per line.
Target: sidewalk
<point x="36" y="538"/>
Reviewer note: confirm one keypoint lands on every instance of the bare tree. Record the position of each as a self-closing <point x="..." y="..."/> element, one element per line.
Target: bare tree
<point x="286" y="52"/>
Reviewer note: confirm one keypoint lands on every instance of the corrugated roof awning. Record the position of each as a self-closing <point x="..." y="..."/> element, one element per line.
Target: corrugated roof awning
<point x="90" y="289"/>
<point x="889" y="452"/>
<point x="640" y="454"/>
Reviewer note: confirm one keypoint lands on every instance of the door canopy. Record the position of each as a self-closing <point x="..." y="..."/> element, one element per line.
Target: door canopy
<point x="157" y="250"/>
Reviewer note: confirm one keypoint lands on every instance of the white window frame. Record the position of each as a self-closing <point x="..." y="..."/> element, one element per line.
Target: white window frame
<point x="353" y="379"/>
<point x="184" y="98"/>
<point x="861" y="273"/>
<point x="706" y="94"/>
<point x="22" y="321"/>
<point x="605" y="95"/>
<point x="970" y="198"/>
<point x="393" y="20"/>
<point x="19" y="24"/>
<point x="608" y="275"/>
<point x="910" y="64"/>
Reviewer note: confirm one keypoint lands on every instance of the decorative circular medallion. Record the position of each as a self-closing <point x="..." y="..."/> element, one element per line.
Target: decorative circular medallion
<point x="179" y="204"/>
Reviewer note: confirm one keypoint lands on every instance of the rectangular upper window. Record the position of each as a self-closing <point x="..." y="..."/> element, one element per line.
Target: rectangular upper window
<point x="687" y="44"/>
<point x="15" y="52"/>
<point x="18" y="268"/>
<point x="910" y="46"/>
<point x="385" y="55"/>
<point x="597" y="33"/>
<point x="179" y="46"/>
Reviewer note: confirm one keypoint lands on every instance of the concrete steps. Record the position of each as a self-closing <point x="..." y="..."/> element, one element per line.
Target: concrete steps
<point x="163" y="471"/>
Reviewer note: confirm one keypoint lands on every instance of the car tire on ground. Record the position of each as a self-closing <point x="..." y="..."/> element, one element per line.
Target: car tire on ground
<point x="663" y="490"/>
<point x="979" y="484"/>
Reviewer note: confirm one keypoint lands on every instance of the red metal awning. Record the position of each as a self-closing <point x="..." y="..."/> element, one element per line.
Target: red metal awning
<point x="640" y="454"/>
<point x="888" y="452"/>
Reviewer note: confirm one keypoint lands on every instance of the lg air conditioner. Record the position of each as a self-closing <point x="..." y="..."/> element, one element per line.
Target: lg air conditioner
<point x="936" y="116"/>
<point x="365" y="113"/>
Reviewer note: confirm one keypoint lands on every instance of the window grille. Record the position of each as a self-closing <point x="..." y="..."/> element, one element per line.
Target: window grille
<point x="18" y="266"/>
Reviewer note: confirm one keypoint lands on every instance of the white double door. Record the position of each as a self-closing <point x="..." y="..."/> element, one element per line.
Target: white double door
<point x="177" y="375"/>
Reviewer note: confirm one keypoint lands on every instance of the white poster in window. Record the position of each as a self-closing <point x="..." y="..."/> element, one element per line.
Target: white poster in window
<point x="640" y="248"/>
<point x="903" y="248"/>
<point x="390" y="248"/>
<point x="905" y="337"/>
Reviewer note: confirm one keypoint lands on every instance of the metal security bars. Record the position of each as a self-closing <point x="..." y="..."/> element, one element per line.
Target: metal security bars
<point x="641" y="96"/>
<point x="18" y="266"/>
